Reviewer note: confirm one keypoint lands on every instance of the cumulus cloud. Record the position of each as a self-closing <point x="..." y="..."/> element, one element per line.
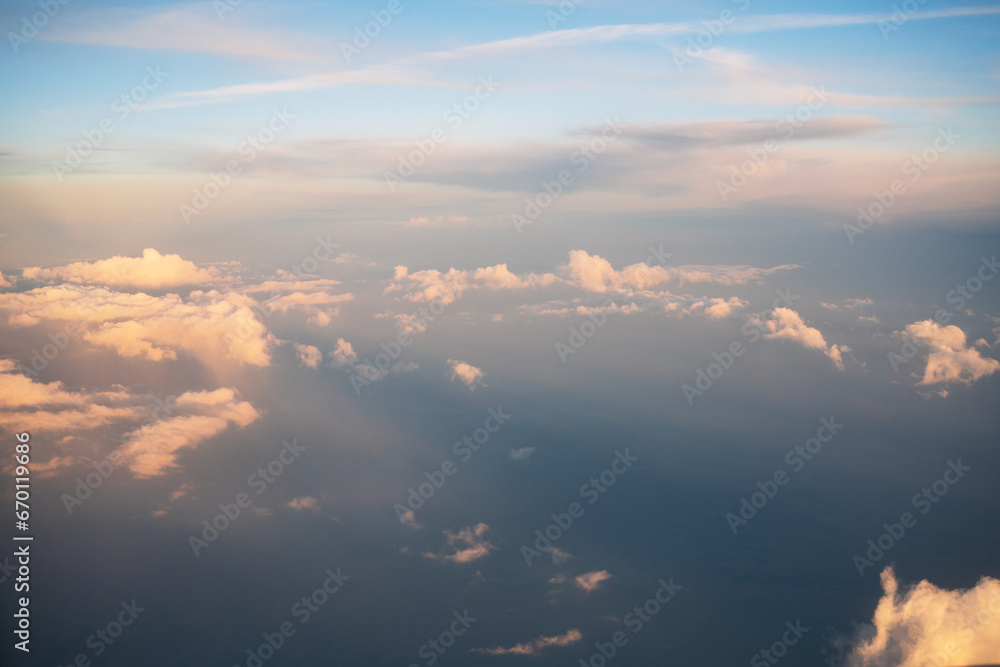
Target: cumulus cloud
<point x="4" y="282"/>
<point x="950" y="360"/>
<point x="713" y="309"/>
<point x="151" y="450"/>
<point x="151" y="271"/>
<point x="303" y="503"/>
<point x="591" y="581"/>
<point x="468" y="543"/>
<point x="596" y="274"/>
<point x="148" y="450"/>
<point x="466" y="373"/>
<point x="558" y="555"/>
<point x="344" y="353"/>
<point x="535" y="646"/>
<point x="522" y="454"/>
<point x="786" y="324"/>
<point x="923" y="625"/>
<point x="207" y="325"/>
<point x="433" y="285"/>
<point x="49" y="407"/>
<point x="309" y="356"/>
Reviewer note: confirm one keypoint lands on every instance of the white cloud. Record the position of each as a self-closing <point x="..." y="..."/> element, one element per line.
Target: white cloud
<point x="950" y="360"/>
<point x="467" y="373"/>
<point x="207" y="325"/>
<point x="591" y="581"/>
<point x="343" y="354"/>
<point x="535" y="646"/>
<point x="151" y="450"/>
<point x="924" y="625"/>
<point x="433" y="285"/>
<point x="786" y="324"/>
<point x="151" y="271"/>
<point x="309" y="356"/>
<point x="522" y="454"/>
<point x="303" y="503"/>
<point x="468" y="543"/>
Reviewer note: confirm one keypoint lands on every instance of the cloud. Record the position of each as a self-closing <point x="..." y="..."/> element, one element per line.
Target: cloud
<point x="207" y="325"/>
<point x="591" y="581"/>
<point x="151" y="271"/>
<point x="151" y="450"/>
<point x="923" y="624"/>
<point x="950" y="360"/>
<point x="36" y="406"/>
<point x="558" y="555"/>
<point x="522" y="454"/>
<point x="535" y="646"/>
<point x="4" y="282"/>
<point x="467" y="373"/>
<point x="433" y="285"/>
<point x="344" y="353"/>
<point x="303" y="503"/>
<point x="148" y="450"/>
<point x="596" y="274"/>
<point x="468" y="543"/>
<point x="309" y="356"/>
<point x="714" y="308"/>
<point x="785" y="323"/>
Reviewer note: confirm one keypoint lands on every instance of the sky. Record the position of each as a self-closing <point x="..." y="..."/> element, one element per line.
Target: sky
<point x="500" y="333"/>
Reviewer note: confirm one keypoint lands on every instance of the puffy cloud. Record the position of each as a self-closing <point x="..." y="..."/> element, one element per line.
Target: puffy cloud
<point x="36" y="406"/>
<point x="925" y="625"/>
<point x="596" y="274"/>
<point x="151" y="271"/>
<point x="344" y="354"/>
<point x="309" y="356"/>
<point x="522" y="454"/>
<point x="433" y="285"/>
<point x="950" y="360"/>
<point x="786" y="324"/>
<point x="714" y="308"/>
<point x="534" y="646"/>
<point x="558" y="555"/>
<point x="467" y="373"/>
<point x="151" y="450"/>
<point x="208" y="325"/>
<point x="148" y="450"/>
<point x="303" y="503"/>
<point x="4" y="282"/>
<point x="591" y="581"/>
<point x="468" y="543"/>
